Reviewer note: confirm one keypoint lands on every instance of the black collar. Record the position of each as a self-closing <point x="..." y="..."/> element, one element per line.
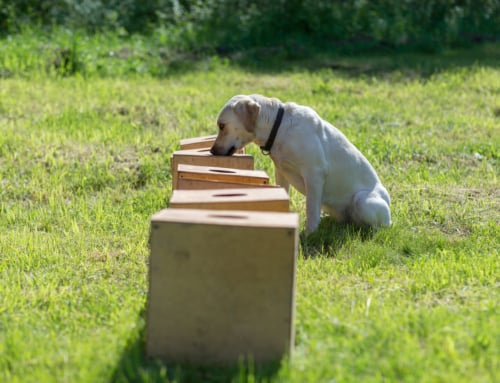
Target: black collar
<point x="266" y="149"/>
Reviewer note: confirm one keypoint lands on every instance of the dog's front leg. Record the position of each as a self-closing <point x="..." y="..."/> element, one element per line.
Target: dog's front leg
<point x="314" y="193"/>
<point x="281" y="180"/>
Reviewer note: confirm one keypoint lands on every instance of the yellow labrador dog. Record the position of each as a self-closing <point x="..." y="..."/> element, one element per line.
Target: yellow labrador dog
<point x="309" y="153"/>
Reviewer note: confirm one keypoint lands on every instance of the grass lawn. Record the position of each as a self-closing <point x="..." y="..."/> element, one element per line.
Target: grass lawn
<point x="84" y="163"/>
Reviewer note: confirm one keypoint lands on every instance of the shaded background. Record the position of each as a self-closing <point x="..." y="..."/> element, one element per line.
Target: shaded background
<point x="224" y="26"/>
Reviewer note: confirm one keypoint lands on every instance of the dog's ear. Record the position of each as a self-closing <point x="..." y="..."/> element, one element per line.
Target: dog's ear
<point x="247" y="111"/>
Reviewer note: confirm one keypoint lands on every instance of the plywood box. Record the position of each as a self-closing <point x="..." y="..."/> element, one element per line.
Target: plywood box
<point x="257" y="199"/>
<point x="212" y="177"/>
<point x="201" y="143"/>
<point x="221" y="286"/>
<point x="203" y="157"/>
<point x="198" y="142"/>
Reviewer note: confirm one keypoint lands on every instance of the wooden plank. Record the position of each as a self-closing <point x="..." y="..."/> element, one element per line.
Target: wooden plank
<point x="198" y="142"/>
<point x="201" y="142"/>
<point x="256" y="199"/>
<point x="203" y="157"/>
<point x="189" y="184"/>
<point x="212" y="177"/>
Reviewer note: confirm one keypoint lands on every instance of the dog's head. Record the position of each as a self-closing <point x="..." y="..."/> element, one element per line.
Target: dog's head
<point x="236" y="122"/>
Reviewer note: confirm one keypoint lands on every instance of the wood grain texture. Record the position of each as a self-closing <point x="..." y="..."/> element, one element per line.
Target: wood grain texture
<point x="203" y="157"/>
<point x="211" y="177"/>
<point x="222" y="286"/>
<point x="256" y="199"/>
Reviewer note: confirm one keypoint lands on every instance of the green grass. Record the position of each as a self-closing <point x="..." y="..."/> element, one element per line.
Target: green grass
<point x="84" y="163"/>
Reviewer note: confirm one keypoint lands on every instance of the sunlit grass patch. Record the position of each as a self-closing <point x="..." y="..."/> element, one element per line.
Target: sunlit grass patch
<point x="84" y="163"/>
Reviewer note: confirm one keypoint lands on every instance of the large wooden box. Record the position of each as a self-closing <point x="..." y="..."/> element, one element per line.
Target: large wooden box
<point x="221" y="286"/>
<point x="203" y="157"/>
<point x="211" y="177"/>
<point x="256" y="199"/>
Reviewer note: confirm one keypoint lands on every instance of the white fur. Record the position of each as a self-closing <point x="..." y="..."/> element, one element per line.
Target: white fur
<point x="310" y="154"/>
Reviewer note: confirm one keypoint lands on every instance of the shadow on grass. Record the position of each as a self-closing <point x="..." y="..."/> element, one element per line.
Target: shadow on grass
<point x="134" y="366"/>
<point x="331" y="237"/>
<point x="382" y="62"/>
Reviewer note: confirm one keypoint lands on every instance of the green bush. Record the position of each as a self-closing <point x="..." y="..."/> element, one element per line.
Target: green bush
<point x="236" y="24"/>
<point x="391" y="22"/>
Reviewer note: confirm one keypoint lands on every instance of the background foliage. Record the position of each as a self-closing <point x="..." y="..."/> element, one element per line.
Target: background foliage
<point x="226" y="25"/>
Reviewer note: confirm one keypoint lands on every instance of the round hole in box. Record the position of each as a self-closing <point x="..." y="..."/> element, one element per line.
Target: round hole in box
<point x="230" y="195"/>
<point x="222" y="171"/>
<point x="228" y="216"/>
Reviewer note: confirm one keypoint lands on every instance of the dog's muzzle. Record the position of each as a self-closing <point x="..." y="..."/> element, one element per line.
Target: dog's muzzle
<point x="216" y="152"/>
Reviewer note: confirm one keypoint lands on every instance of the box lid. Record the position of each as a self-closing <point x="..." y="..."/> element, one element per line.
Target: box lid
<point x="228" y="218"/>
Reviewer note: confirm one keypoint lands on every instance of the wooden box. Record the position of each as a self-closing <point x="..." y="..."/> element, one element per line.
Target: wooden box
<point x="211" y="177"/>
<point x="221" y="286"/>
<point x="201" y="143"/>
<point x="198" y="142"/>
<point x="256" y="199"/>
<point x="203" y="157"/>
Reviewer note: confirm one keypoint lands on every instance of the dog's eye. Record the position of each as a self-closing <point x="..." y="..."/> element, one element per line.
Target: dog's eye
<point x="221" y="126"/>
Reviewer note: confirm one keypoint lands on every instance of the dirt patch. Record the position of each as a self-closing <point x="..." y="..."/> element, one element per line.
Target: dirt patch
<point x="454" y="210"/>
